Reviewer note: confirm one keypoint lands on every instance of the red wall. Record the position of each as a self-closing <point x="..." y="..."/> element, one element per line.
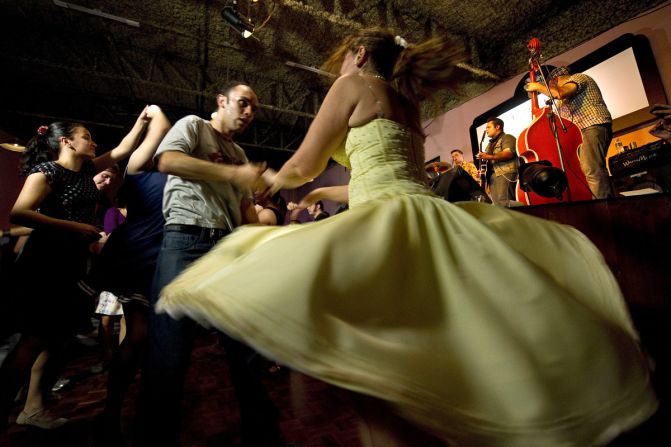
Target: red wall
<point x="10" y="184"/>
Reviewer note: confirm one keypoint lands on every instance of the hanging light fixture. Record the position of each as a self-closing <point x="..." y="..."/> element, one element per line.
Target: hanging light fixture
<point x="14" y="147"/>
<point x="237" y="22"/>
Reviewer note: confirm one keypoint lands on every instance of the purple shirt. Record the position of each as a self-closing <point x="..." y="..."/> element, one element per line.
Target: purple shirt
<point x="113" y="218"/>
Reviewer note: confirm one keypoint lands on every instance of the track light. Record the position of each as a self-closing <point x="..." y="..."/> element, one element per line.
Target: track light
<point x="96" y="12"/>
<point x="233" y="18"/>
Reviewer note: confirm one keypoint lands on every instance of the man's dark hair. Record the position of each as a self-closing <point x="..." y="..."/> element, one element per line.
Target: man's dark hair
<point x="228" y="86"/>
<point x="457" y="150"/>
<point x="496" y="121"/>
<point x="321" y="204"/>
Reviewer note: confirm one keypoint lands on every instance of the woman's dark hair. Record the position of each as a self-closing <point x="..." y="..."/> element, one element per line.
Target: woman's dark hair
<point x="45" y="145"/>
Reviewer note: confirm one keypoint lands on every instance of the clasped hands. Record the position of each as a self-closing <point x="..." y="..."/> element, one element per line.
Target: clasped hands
<point x="259" y="178"/>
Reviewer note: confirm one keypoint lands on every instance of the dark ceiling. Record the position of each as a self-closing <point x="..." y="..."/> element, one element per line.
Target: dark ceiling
<point x="63" y="64"/>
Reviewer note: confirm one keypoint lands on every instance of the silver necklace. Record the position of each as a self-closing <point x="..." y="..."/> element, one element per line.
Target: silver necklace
<point x="376" y="76"/>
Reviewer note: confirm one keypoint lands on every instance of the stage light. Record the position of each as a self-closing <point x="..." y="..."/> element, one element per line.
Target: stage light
<point x="237" y="22"/>
<point x="543" y="179"/>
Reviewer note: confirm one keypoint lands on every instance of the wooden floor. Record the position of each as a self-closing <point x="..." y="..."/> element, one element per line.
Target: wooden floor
<point x="313" y="414"/>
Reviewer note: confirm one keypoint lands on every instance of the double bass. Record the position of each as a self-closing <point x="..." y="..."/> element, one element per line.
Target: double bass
<point x="538" y="143"/>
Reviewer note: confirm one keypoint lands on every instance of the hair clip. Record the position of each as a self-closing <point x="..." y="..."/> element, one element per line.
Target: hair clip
<point x="42" y="130"/>
<point x="401" y="42"/>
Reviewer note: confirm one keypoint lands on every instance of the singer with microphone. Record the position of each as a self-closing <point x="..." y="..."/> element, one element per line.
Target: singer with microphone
<point x="502" y="156"/>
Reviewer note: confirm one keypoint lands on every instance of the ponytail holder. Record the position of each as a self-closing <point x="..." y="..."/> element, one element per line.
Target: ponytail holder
<point x="42" y="130"/>
<point x="401" y="42"/>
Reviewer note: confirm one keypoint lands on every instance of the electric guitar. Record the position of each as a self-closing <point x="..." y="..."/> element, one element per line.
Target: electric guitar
<point x="482" y="165"/>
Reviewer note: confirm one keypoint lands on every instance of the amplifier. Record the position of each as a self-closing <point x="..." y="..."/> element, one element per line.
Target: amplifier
<point x="640" y="159"/>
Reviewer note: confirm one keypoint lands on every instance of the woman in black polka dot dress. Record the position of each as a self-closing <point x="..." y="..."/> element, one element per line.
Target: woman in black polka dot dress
<point x="58" y="201"/>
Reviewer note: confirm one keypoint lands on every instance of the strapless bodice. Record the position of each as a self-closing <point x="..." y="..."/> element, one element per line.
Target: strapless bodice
<point x="386" y="159"/>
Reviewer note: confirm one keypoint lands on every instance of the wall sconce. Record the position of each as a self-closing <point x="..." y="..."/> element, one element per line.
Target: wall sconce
<point x="543" y="179"/>
<point x="235" y="21"/>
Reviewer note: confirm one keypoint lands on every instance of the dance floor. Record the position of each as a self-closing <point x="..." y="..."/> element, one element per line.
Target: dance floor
<point x="313" y="414"/>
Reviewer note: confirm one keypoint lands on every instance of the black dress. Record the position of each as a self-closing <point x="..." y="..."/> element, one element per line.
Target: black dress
<point x="52" y="261"/>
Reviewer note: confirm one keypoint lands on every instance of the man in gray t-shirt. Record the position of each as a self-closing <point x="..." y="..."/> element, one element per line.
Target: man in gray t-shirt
<point x="502" y="157"/>
<point x="207" y="194"/>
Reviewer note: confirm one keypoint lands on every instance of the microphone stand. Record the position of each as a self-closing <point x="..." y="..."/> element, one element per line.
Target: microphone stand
<point x="551" y="102"/>
<point x="551" y="121"/>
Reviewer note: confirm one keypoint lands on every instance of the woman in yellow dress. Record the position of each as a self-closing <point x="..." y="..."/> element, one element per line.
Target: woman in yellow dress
<point x="481" y="326"/>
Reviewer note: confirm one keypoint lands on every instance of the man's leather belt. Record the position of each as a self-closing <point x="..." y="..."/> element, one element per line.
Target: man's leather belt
<point x="213" y="234"/>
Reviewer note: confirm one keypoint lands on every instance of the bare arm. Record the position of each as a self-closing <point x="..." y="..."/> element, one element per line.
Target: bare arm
<point x="326" y="132"/>
<point x="338" y="194"/>
<point x="563" y="91"/>
<point x="191" y="168"/>
<point x="141" y="159"/>
<point x="31" y="196"/>
<point x="248" y="209"/>
<point x="125" y="147"/>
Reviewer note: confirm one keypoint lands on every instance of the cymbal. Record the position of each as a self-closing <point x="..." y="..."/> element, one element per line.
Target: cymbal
<point x="437" y="166"/>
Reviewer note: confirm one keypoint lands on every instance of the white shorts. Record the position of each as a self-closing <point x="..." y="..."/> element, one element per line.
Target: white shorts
<point x="108" y="304"/>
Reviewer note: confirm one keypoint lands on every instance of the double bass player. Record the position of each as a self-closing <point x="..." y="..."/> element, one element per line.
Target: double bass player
<point x="580" y="101"/>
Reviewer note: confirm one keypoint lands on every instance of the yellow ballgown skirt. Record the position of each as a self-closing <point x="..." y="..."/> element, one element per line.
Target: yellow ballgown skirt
<point x="486" y="326"/>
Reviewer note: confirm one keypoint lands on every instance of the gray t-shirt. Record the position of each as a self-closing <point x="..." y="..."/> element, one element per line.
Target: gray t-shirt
<point x="204" y="203"/>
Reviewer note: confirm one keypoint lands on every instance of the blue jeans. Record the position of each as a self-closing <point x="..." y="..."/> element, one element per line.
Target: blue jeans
<point x="169" y="351"/>
<point x="592" y="155"/>
<point x="502" y="188"/>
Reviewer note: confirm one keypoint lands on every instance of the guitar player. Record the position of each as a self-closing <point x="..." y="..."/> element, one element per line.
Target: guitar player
<point x="502" y="157"/>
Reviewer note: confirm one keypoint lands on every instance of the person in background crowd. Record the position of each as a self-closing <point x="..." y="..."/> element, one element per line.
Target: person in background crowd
<point x="58" y="201"/>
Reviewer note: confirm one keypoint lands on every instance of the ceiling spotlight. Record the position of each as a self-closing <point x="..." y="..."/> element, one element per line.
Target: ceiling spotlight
<point x="237" y="22"/>
<point x="543" y="179"/>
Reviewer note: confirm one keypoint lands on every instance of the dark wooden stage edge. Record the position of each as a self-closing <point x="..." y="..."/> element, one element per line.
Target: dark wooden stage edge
<point x="634" y="235"/>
